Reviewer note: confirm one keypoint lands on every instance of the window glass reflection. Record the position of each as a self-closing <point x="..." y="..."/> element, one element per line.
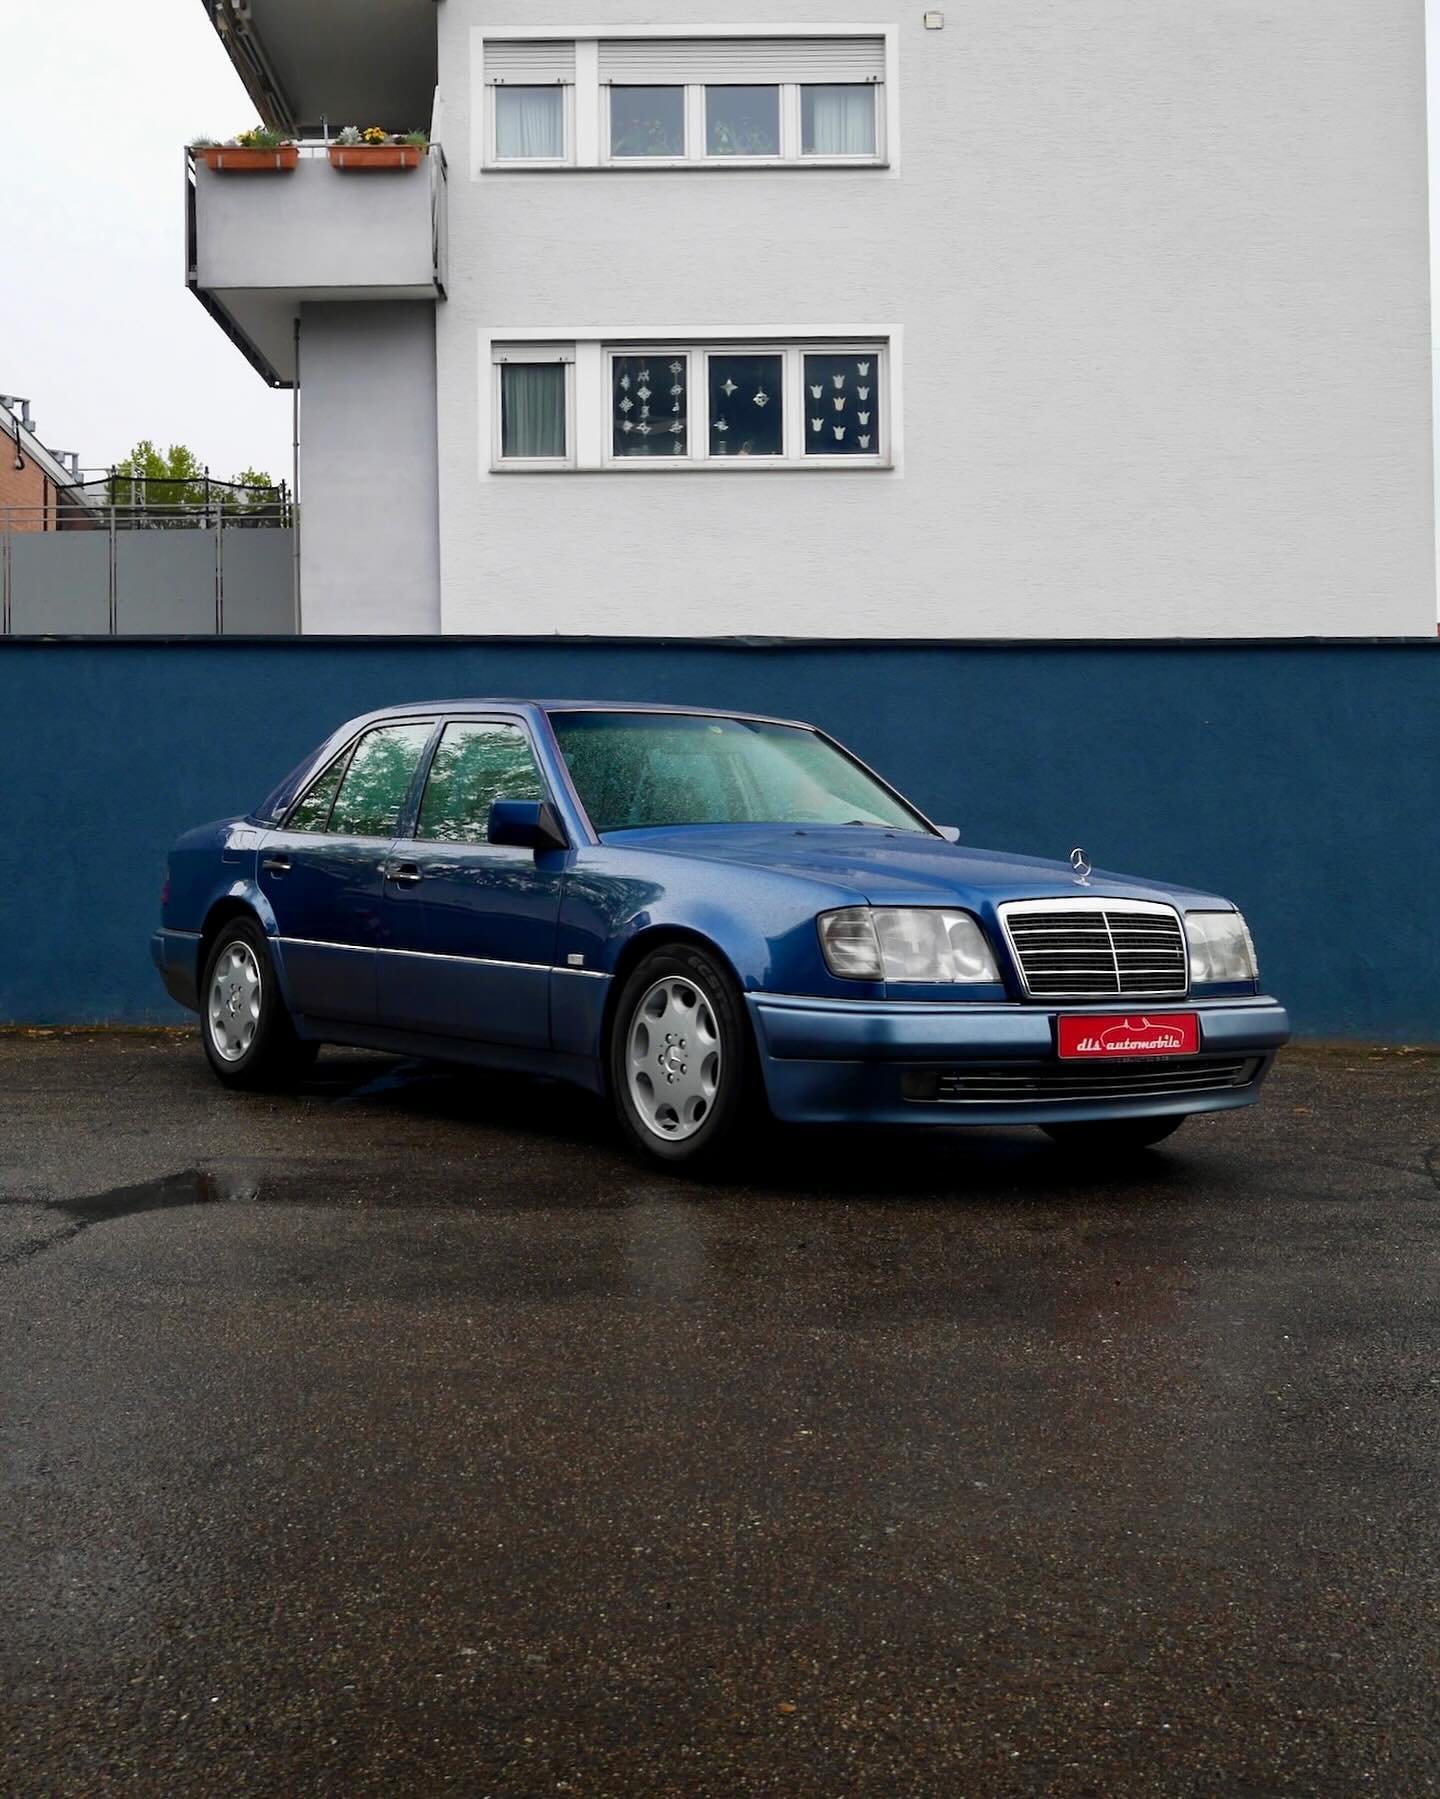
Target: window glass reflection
<point x="475" y="765"/>
<point x="378" y="780"/>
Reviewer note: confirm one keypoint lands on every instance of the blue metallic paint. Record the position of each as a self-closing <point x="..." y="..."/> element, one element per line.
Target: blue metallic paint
<point x="510" y="957"/>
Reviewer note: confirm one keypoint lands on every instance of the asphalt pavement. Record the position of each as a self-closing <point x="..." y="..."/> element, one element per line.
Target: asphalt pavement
<point x="404" y="1436"/>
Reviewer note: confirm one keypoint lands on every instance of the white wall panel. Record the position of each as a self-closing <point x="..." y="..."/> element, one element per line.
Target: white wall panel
<point x="1162" y="278"/>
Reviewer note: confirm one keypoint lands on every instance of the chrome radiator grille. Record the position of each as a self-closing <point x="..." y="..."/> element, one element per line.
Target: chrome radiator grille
<point x="1092" y="949"/>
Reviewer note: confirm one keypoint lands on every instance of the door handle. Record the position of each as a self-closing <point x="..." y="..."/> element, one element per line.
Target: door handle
<point x="404" y="874"/>
<point x="276" y="865"/>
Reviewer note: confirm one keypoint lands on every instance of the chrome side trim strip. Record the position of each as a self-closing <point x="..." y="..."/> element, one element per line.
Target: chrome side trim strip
<point x="425" y="955"/>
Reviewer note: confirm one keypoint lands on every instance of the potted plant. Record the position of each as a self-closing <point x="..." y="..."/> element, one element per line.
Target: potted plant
<point x="258" y="150"/>
<point x="376" y="148"/>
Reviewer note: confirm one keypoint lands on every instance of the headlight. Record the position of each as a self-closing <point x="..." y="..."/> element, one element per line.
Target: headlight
<point x="1220" y="947"/>
<point x="892" y="943"/>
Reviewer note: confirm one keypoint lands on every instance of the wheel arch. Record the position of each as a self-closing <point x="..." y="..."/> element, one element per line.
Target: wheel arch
<point x="635" y="950"/>
<point x="223" y="910"/>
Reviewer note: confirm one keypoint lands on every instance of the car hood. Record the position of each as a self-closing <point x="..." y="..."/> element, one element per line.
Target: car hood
<point x="890" y="868"/>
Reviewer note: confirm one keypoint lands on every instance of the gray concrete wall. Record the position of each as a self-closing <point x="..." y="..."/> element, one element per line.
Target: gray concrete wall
<point x="1162" y="278"/>
<point x="369" y="538"/>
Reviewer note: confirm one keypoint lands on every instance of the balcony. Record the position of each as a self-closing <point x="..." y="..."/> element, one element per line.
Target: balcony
<point x="260" y="246"/>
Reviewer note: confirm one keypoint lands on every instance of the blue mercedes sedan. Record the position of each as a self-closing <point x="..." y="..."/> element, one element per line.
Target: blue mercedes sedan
<point x="706" y="917"/>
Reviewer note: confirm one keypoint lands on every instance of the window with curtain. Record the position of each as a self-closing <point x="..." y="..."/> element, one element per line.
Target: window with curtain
<point x="532" y="411"/>
<point x="837" y="120"/>
<point x="687" y="404"/>
<point x="529" y="124"/>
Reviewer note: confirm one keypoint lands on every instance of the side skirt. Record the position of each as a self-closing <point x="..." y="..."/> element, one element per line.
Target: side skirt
<point x="579" y="1071"/>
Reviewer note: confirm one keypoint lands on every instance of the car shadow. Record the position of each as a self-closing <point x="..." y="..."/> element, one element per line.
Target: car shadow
<point x="872" y="1163"/>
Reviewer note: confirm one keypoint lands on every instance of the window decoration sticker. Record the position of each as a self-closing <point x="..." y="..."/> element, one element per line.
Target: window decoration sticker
<point x="636" y="431"/>
<point x="747" y="411"/>
<point x="840" y="376"/>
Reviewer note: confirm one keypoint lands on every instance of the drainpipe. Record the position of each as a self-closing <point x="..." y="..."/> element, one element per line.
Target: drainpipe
<point x="295" y="482"/>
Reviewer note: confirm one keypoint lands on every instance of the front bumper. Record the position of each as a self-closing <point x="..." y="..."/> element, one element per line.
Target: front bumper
<point x="856" y="1061"/>
<point x="176" y="954"/>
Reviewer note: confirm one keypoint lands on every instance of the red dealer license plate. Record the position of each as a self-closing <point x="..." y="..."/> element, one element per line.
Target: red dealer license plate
<point x="1133" y="1034"/>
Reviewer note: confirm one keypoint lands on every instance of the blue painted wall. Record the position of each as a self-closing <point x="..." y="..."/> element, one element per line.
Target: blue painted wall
<point x="1302" y="780"/>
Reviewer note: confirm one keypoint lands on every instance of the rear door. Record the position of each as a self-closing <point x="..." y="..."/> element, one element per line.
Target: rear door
<point x="323" y="872"/>
<point x="475" y="922"/>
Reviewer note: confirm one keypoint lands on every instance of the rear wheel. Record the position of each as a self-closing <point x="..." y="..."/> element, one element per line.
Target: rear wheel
<point x="248" y="1037"/>
<point x="1113" y="1136"/>
<point x="682" y="1074"/>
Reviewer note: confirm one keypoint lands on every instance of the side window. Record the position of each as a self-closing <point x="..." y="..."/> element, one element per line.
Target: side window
<point x="475" y="765"/>
<point x="377" y="781"/>
<point x="311" y="812"/>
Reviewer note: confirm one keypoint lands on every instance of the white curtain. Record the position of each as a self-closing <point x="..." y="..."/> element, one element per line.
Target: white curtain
<point x="839" y="120"/>
<point x="529" y="123"/>
<point x="532" y="409"/>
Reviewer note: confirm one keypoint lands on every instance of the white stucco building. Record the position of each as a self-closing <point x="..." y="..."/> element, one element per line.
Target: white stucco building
<point x="1011" y="318"/>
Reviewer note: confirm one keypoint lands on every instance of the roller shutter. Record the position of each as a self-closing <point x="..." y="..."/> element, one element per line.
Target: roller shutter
<point x="532" y="64"/>
<point x="655" y="61"/>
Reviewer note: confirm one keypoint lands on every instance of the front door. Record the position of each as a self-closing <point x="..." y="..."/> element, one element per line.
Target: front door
<point x="472" y="924"/>
<point x="323" y="872"/>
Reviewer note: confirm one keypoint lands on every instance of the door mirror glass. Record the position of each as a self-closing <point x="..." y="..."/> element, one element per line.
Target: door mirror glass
<point x="527" y="825"/>
<point x="951" y="833"/>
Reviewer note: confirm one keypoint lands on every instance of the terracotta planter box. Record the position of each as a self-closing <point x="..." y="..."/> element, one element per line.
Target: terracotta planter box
<point x="226" y="157"/>
<point x="375" y="156"/>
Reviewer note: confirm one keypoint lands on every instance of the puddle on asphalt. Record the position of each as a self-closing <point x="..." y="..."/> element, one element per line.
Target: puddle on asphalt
<point x="195" y="1187"/>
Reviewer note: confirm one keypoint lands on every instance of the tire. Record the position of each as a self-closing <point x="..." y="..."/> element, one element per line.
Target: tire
<point x="1113" y="1136"/>
<point x="248" y="1037"/>
<point x="673" y="1104"/>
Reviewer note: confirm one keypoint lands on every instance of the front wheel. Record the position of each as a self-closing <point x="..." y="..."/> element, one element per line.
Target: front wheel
<point x="681" y="1068"/>
<point x="248" y="1037"/>
<point x="1113" y="1136"/>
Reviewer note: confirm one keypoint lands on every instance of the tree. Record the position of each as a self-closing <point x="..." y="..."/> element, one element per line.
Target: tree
<point x="177" y="478"/>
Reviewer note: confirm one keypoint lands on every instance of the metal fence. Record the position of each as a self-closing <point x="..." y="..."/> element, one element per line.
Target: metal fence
<point x="217" y="561"/>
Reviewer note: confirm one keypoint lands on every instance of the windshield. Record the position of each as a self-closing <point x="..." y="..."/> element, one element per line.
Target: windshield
<point x="633" y="769"/>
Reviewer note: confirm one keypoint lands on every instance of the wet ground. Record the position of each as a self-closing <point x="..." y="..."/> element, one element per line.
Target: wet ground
<point x="404" y="1436"/>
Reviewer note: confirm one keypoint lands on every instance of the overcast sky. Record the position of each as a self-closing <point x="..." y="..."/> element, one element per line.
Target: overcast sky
<point x="96" y="327"/>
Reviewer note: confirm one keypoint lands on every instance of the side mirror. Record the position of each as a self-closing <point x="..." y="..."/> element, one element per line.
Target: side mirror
<point x="951" y="833"/>
<point x="526" y="825"/>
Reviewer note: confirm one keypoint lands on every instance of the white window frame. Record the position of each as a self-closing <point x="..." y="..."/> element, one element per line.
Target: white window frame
<point x="792" y="352"/>
<point x="672" y="353"/>
<point x="696" y="116"/>
<point x="827" y="159"/>
<point x="525" y="354"/>
<point x="607" y="128"/>
<point x="493" y="158"/>
<point x="587" y="110"/>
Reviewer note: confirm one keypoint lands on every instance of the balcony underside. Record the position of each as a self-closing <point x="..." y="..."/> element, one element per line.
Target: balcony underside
<point x="354" y="62"/>
<point x="262" y="325"/>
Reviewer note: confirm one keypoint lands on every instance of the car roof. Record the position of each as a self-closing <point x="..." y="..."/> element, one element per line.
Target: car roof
<point x="433" y="708"/>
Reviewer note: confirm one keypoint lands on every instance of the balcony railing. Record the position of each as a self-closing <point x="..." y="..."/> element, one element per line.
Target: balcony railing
<point x="216" y="560"/>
